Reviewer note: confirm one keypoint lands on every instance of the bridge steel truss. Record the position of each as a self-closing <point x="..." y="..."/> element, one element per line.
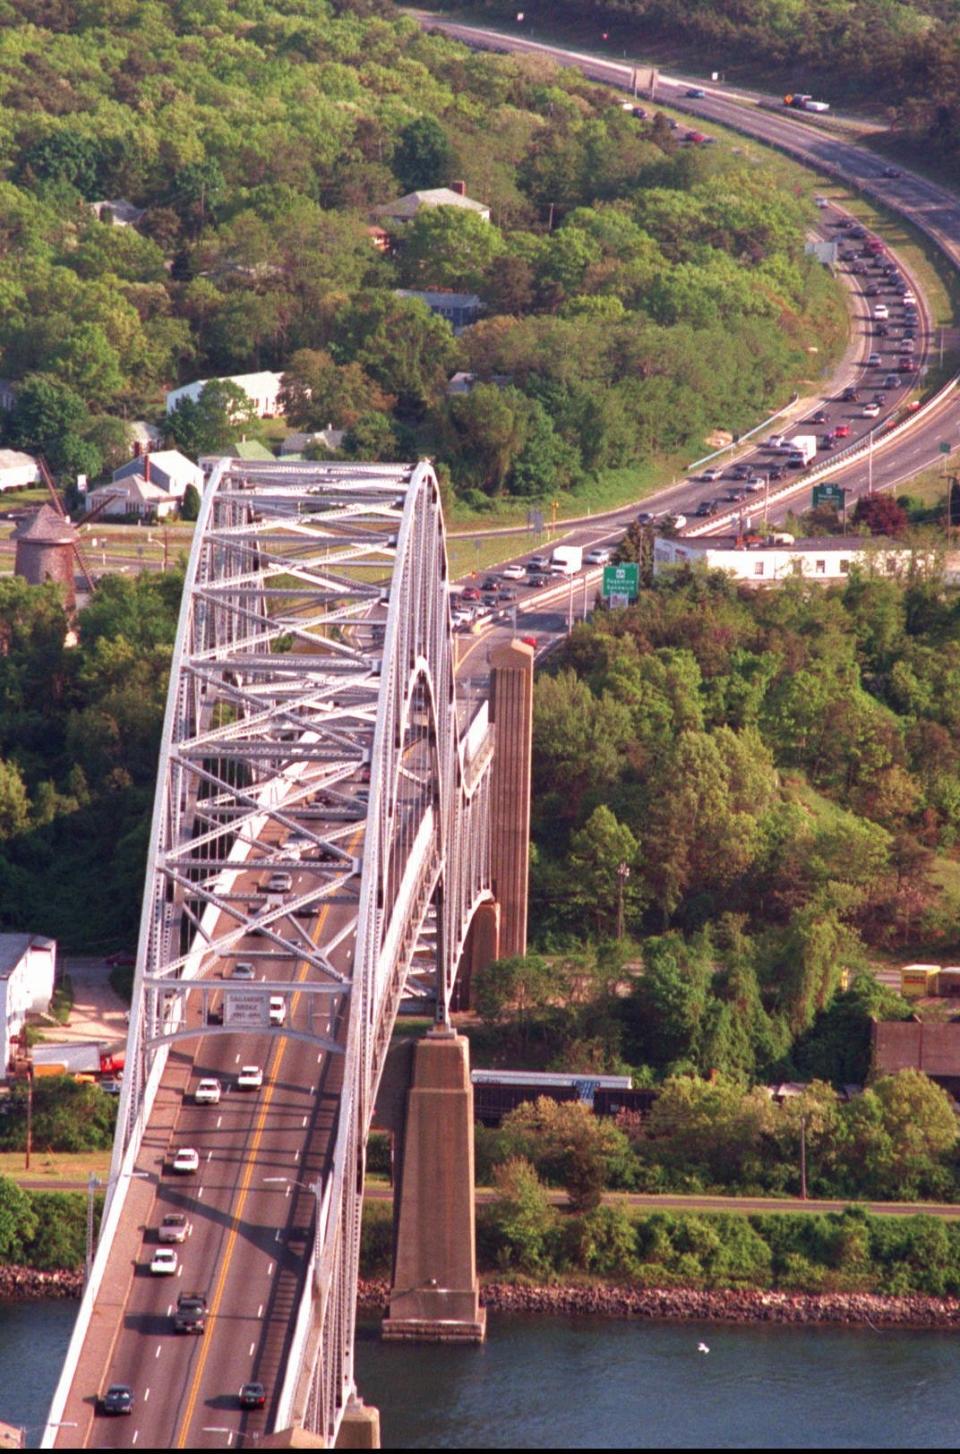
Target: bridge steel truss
<point x="312" y="690"/>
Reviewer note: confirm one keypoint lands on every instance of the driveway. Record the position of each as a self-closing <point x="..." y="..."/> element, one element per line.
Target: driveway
<point x="98" y="1011"/>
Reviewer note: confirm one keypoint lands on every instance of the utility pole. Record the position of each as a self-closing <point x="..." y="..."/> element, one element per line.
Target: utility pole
<point x="623" y="873"/>
<point x="803" y="1158"/>
<point x="26" y="1160"/>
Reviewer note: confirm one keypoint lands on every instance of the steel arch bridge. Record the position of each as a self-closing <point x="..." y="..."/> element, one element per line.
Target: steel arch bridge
<point x="312" y="731"/>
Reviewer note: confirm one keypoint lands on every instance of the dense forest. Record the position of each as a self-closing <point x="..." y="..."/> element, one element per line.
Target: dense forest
<point x="635" y="292"/>
<point x="900" y="55"/>
<point x="763" y="789"/>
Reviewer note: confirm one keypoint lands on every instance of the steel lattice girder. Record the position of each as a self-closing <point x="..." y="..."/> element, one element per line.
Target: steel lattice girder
<point x="313" y="674"/>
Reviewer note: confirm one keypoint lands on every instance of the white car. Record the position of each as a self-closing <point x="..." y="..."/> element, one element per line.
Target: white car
<point x="600" y="556"/>
<point x="755" y="484"/>
<point x="820" y="202"/>
<point x="908" y="297"/>
<point x="164" y="1263"/>
<point x="173" y="1228"/>
<point x="243" y="969"/>
<point x="278" y="1009"/>
<point x="186" y="1160"/>
<point x="207" y="1092"/>
<point x="514" y="572"/>
<point x="250" y="1077"/>
<point x="880" y="310"/>
<point x="297" y="845"/>
<point x="870" y="411"/>
<point x="279" y="883"/>
<point x="712" y="474"/>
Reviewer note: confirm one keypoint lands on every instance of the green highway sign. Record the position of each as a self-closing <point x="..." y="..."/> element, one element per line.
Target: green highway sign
<point x="621" y="583"/>
<point x="944" y="446"/>
<point x="829" y="495"/>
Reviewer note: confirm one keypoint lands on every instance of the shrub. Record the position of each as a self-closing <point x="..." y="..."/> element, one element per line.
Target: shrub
<point x="522" y="1219"/>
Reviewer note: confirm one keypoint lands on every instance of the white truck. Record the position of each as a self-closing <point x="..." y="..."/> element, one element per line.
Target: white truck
<point x="802" y="448"/>
<point x="566" y="560"/>
<point x="802" y="101"/>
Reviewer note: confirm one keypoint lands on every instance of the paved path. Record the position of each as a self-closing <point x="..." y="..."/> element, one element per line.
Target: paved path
<point x="98" y="1011"/>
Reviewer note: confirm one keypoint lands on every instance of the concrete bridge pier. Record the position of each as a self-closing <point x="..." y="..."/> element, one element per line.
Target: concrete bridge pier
<point x="360" y="1427"/>
<point x="435" y="1297"/>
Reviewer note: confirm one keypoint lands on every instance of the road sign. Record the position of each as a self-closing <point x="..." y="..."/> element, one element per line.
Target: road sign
<point x="245" y="1010"/>
<point x="829" y="495"/>
<point x="944" y="446"/>
<point x="621" y="583"/>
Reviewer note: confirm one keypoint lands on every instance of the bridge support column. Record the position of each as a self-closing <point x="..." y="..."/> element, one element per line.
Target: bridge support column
<point x="435" y="1294"/>
<point x="511" y="710"/>
<point x="360" y="1426"/>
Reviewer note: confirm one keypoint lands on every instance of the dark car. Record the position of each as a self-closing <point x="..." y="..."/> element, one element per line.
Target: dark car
<point x="820" y="417"/>
<point x="881" y="330"/>
<point x="696" y="93"/>
<point x="741" y="471"/>
<point x="470" y="594"/>
<point x="253" y="1396"/>
<point x="118" y="1399"/>
<point x="704" y="509"/>
<point x="538" y="581"/>
<point x="776" y="473"/>
<point x="490" y="584"/>
<point x="880" y="398"/>
<point x="850" y="395"/>
<point x="645" y="518"/>
<point x="873" y="291"/>
<point x="505" y="593"/>
<point x="826" y="441"/>
<point x="891" y="171"/>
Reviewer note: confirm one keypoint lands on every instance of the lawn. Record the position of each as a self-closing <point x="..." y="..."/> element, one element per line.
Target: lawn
<point x="55" y="1166"/>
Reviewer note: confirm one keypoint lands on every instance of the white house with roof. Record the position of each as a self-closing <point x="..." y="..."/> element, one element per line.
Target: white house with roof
<point x="132" y="495"/>
<point x="262" y="389"/>
<point x="166" y="468"/>
<point x="404" y="209"/>
<point x="766" y="560"/>
<point x="27" y="970"/>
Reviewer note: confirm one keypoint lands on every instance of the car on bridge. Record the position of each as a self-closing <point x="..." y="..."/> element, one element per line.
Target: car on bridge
<point x="278" y="883"/>
<point x="696" y="93"/>
<point x="599" y="556"/>
<point x="118" y="1399"/>
<point x="163" y="1263"/>
<point x="253" y="1396"/>
<point x="250" y="1077"/>
<point x="207" y="1092"/>
<point x="870" y="411"/>
<point x="243" y="969"/>
<point x="186" y="1161"/>
<point x="842" y="431"/>
<point x="514" y="572"/>
<point x="278" y="1009"/>
<point x="173" y="1228"/>
<point x="191" y="1313"/>
<point x="880" y="310"/>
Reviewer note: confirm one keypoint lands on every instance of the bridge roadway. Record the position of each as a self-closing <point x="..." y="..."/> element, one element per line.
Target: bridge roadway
<point x="246" y="1242"/>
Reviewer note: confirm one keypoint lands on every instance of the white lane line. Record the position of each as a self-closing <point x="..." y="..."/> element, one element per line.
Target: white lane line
<point x="270" y="1269"/>
<point x="136" y="1435"/>
<point x="296" y="1156"/>
<point x="236" y="1060"/>
<point x="200" y="1192"/>
<point x="219" y="1122"/>
<point x="319" y="1057"/>
<point x="157" y="1354"/>
<point x="146" y="1395"/>
<point x="180" y="1270"/>
<point x="305" y="1119"/>
<point x="209" y="1155"/>
<point x="169" y="1310"/>
<point x="252" y="1347"/>
<point x="260" y="1311"/>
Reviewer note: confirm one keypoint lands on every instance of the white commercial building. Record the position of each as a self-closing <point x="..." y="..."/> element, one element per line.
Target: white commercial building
<point x="763" y="561"/>
<point x="262" y="389"/>
<point x="27" y="968"/>
<point x="17" y="469"/>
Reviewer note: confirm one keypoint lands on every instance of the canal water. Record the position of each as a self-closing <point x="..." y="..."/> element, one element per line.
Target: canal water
<point x="545" y="1383"/>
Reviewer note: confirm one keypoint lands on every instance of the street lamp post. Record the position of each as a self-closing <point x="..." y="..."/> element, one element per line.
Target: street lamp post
<point x="803" y="1158"/>
<point x="93" y="1184"/>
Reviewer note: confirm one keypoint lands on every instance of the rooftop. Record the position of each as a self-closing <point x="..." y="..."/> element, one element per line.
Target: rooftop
<point x="410" y="205"/>
<point x="809" y="542"/>
<point x="14" y="946"/>
<point x="46" y="527"/>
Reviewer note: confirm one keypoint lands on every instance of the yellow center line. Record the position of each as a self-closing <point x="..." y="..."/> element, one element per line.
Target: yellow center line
<point x="237" y="1217"/>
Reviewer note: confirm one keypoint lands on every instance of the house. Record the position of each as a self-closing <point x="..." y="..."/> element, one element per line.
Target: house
<point x="262" y="389"/>
<point x="916" y="1044"/>
<point x="404" y="209"/>
<point x="133" y="495"/>
<point x="249" y="449"/>
<point x="17" y="469"/>
<point x="119" y="212"/>
<point x="168" y="468"/>
<point x="300" y="441"/>
<point x="465" y="383"/>
<point x="765" y="560"/>
<point x="459" y="309"/>
<point x="27" y="970"/>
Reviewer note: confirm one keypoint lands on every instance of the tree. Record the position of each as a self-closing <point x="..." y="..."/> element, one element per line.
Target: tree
<point x="423" y="157"/>
<point x="14" y="803"/>
<point x="448" y="247"/>
<point x="599" y="852"/>
<point x="88" y="363"/>
<point x="523" y="1218"/>
<point x="190" y="504"/>
<point x="317" y="391"/>
<point x="212" y="422"/>
<point x="18" y="1221"/>
<point x="371" y="437"/>
<point x="882" y="515"/>
<point x="400" y="344"/>
<point x="569" y="1146"/>
<point x="48" y="417"/>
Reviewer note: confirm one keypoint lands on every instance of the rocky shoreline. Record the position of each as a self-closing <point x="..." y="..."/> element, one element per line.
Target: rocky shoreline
<point x="27" y="1282"/>
<point x="721" y="1305"/>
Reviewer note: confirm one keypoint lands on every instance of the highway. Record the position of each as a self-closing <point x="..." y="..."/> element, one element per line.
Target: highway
<point x="933" y="208"/>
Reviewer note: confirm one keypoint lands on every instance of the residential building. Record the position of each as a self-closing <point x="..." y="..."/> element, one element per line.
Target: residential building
<point x="404" y="209"/>
<point x="119" y="212"/>
<point x="262" y="389"/>
<point x="760" y="561"/>
<point x="27" y="970"/>
<point x="300" y="441"/>
<point x="167" y="468"/>
<point x="459" y="309"/>
<point x="17" y="469"/>
<point x="250" y="449"/>
<point x="133" y="495"/>
<point x="464" y="383"/>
